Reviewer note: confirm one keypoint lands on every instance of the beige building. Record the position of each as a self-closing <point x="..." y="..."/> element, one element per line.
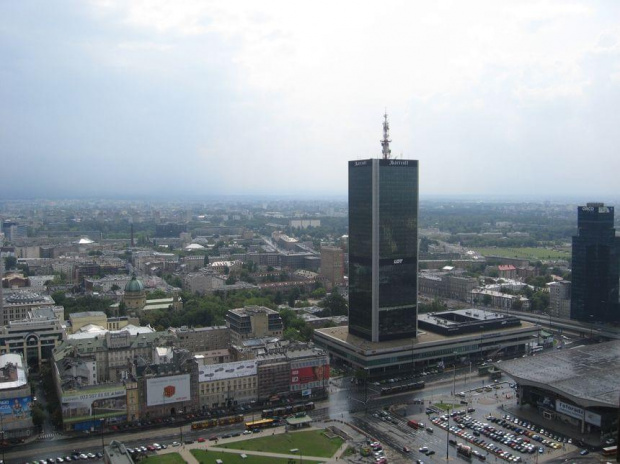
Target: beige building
<point x="332" y="265"/>
<point x="18" y="304"/>
<point x="225" y="385"/>
<point x="214" y="357"/>
<point x="203" y="282"/>
<point x="82" y="322"/>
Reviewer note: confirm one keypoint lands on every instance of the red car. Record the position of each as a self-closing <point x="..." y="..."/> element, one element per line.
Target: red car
<point x="201" y="440"/>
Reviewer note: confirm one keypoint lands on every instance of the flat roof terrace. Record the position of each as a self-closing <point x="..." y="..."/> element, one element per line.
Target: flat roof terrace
<point x="341" y="334"/>
<point x="588" y="375"/>
<point x="462" y="321"/>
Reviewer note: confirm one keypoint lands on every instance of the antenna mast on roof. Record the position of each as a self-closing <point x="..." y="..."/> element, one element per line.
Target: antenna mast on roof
<point x="385" y="143"/>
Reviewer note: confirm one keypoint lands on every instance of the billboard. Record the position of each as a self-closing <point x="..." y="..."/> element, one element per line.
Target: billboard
<point x="93" y="403"/>
<point x="233" y="370"/>
<point x="15" y="409"/>
<point x="307" y="375"/>
<point x="569" y="409"/>
<point x="167" y="390"/>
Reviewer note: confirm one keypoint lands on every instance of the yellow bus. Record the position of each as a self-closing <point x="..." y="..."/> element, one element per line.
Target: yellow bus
<point x="260" y="424"/>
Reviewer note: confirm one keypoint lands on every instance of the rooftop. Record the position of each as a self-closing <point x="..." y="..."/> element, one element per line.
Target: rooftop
<point x="341" y="334"/>
<point x="12" y="373"/>
<point x="586" y="374"/>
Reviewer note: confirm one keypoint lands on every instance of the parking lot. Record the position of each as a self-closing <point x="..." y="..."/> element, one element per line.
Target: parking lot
<point x="473" y="425"/>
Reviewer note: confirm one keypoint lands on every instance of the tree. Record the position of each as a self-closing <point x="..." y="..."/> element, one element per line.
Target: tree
<point x="38" y="415"/>
<point x="335" y="305"/>
<point x="292" y="296"/>
<point x="318" y="293"/>
<point x="540" y="301"/>
<point x="360" y="375"/>
<point x="487" y="300"/>
<point x="10" y="262"/>
<point x="517" y="305"/>
<point x="156" y="295"/>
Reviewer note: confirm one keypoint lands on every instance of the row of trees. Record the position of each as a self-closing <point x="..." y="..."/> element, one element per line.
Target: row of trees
<point x="208" y="310"/>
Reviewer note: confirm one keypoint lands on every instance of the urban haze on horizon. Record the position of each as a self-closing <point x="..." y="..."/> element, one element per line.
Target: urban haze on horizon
<point x="192" y="99"/>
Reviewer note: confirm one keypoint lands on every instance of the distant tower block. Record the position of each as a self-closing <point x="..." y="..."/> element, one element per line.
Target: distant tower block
<point x="596" y="266"/>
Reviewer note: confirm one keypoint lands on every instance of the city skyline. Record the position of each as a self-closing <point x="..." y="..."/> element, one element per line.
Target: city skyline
<point x="128" y="99"/>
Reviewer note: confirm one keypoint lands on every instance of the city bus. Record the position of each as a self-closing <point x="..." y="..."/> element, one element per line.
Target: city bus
<point x="260" y="424"/>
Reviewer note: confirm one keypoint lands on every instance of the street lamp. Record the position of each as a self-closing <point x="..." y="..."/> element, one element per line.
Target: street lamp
<point x="448" y="436"/>
<point x="2" y="432"/>
<point x="102" y="423"/>
<point x="454" y="374"/>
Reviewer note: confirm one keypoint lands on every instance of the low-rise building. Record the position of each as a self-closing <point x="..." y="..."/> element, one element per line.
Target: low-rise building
<point x="229" y="384"/>
<point x="446" y="285"/>
<point x="507" y="271"/>
<point x="203" y="282"/>
<point x="499" y="299"/>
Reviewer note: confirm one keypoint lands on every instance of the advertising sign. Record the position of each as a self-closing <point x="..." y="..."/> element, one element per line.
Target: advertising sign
<point x="15" y="409"/>
<point x="593" y="419"/>
<point x="306" y="375"/>
<point x="569" y="409"/>
<point x="167" y="390"/>
<point x="233" y="370"/>
<point x="99" y="402"/>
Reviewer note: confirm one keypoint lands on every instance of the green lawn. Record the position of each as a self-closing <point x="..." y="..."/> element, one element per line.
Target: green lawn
<point x="531" y="253"/>
<point x="310" y="442"/>
<point x="209" y="457"/>
<point x="447" y="406"/>
<point x="171" y="458"/>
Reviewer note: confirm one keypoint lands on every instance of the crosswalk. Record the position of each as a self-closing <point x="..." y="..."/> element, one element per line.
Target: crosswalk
<point x="47" y="436"/>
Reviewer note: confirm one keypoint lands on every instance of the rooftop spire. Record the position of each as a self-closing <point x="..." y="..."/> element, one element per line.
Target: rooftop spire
<point x="385" y="143"/>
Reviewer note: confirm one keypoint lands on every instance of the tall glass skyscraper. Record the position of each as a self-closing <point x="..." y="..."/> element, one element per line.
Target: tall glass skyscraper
<point x="596" y="266"/>
<point x="383" y="247"/>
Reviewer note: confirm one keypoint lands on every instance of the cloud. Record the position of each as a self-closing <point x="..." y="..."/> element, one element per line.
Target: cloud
<point x="277" y="96"/>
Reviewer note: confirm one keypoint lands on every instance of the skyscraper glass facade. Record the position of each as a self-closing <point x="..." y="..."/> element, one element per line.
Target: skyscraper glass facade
<point x="383" y="248"/>
<point x="596" y="266"/>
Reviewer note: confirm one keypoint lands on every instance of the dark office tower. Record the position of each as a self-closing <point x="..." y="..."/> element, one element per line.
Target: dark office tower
<point x="596" y="265"/>
<point x="383" y="246"/>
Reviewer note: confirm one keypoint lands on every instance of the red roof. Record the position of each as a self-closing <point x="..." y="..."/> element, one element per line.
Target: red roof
<point x="506" y="267"/>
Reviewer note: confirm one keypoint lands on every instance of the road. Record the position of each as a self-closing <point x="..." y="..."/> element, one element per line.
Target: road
<point x="348" y="401"/>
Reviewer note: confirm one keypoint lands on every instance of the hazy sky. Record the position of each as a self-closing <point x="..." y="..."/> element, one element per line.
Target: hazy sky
<point x="195" y="97"/>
